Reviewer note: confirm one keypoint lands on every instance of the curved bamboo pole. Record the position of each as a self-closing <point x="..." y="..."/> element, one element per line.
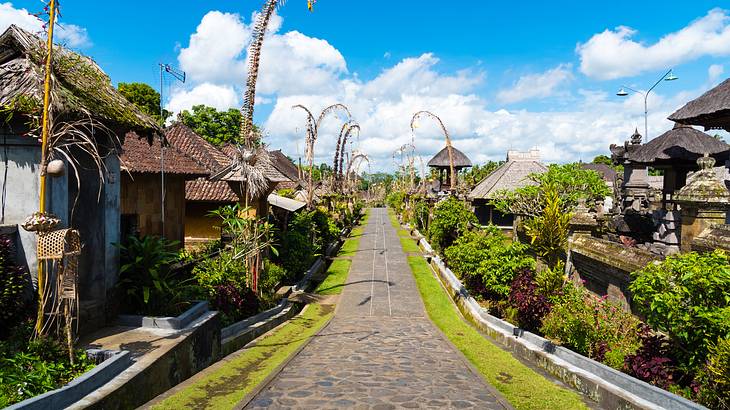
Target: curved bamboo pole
<point x="449" y="148"/>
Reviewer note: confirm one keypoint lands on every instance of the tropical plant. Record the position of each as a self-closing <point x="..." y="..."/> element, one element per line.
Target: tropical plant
<point x="420" y="215"/>
<point x="530" y="304"/>
<point x="550" y="280"/>
<point x="592" y="326"/>
<point x="651" y="362"/>
<point x="714" y="391"/>
<point x="451" y="218"/>
<point x="148" y="284"/>
<point x="687" y="297"/>
<point x="487" y="262"/>
<point x="549" y="231"/>
<point x="572" y="182"/>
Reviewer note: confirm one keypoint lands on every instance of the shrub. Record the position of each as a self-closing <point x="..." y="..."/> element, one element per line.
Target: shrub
<point x="592" y="327"/>
<point x="686" y="297"/>
<point x="235" y="302"/>
<point x="551" y="280"/>
<point x="451" y="218"/>
<point x="28" y="369"/>
<point x="531" y="306"/>
<point x="271" y="276"/>
<point x="146" y="279"/>
<point x="651" y="362"/>
<point x="419" y="218"/>
<point x="224" y="269"/>
<point x="325" y="229"/>
<point x="714" y="391"/>
<point x="297" y="245"/>
<point x="487" y="262"/>
<point x="13" y="284"/>
<point x="395" y="200"/>
<point x="549" y="231"/>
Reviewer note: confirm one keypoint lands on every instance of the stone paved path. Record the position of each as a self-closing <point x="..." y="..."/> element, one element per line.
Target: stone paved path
<point x="380" y="351"/>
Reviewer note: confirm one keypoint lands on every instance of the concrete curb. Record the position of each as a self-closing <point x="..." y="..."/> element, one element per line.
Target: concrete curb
<point x="602" y="384"/>
<point x="242" y="333"/>
<point x="114" y="363"/>
<point x="173" y="323"/>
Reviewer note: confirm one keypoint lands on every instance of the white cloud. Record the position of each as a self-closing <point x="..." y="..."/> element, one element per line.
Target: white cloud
<point x="214" y="53"/>
<point x="68" y="34"/>
<point x="221" y="97"/>
<point x="614" y="54"/>
<point x="540" y="85"/>
<point x="714" y="72"/>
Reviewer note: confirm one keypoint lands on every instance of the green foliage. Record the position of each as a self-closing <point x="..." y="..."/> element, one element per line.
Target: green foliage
<point x="487" y="262"/>
<point x="396" y="200"/>
<point x="213" y="272"/>
<point x="715" y="377"/>
<point x="28" y="369"/>
<point x="145" y="98"/>
<point x="271" y="277"/>
<point x="549" y="231"/>
<point x="451" y="218"/>
<point x="551" y="280"/>
<point x="687" y="297"/>
<point x="478" y="172"/>
<point x="13" y="283"/>
<point x="147" y="283"/>
<point x="592" y="327"/>
<point x="420" y="215"/>
<point x="217" y="127"/>
<point x="570" y="180"/>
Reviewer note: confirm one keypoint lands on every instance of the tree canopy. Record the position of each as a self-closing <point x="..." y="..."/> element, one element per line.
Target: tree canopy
<point x="571" y="181"/>
<point x="145" y="98"/>
<point x="218" y="127"/>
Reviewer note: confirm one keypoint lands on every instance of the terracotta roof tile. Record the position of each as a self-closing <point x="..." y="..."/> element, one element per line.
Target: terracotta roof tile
<point x="209" y="191"/>
<point x="139" y="156"/>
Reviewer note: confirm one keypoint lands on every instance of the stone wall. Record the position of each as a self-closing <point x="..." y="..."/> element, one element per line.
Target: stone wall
<point x="605" y="267"/>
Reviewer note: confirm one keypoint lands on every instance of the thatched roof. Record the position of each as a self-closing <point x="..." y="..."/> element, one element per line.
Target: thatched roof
<point x="682" y="143"/>
<point x="442" y="159"/>
<point x="80" y="88"/>
<point x="510" y="176"/>
<point x="607" y="172"/>
<point x="710" y="110"/>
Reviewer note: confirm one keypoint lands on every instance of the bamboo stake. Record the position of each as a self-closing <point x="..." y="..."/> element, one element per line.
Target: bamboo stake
<point x="44" y="148"/>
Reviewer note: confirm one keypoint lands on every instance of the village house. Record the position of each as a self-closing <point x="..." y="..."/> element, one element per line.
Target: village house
<point x="511" y="175"/>
<point x="90" y="120"/>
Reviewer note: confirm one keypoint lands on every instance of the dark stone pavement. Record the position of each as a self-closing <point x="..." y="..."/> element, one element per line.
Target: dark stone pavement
<point x="380" y="351"/>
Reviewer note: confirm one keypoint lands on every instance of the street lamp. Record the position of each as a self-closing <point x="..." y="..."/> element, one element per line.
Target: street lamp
<point x="668" y="76"/>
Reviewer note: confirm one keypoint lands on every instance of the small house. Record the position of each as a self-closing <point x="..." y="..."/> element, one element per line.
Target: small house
<point x="510" y="176"/>
<point x="442" y="165"/>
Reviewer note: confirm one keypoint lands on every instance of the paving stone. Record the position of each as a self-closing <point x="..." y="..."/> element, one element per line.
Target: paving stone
<point x="380" y="351"/>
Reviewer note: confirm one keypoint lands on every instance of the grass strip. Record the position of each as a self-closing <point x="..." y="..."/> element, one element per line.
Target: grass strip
<point x="521" y="386"/>
<point x="336" y="277"/>
<point x="228" y="383"/>
<point x="409" y="244"/>
<point x="393" y="219"/>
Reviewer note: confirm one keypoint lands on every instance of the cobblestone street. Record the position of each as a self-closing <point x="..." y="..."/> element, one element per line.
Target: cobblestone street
<point x="380" y="350"/>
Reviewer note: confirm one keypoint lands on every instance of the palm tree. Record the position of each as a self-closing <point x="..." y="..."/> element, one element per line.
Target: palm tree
<point x="449" y="149"/>
<point x="312" y="130"/>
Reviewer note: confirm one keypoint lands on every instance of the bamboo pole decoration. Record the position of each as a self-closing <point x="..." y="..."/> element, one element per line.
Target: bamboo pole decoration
<point x="44" y="147"/>
<point x="453" y="181"/>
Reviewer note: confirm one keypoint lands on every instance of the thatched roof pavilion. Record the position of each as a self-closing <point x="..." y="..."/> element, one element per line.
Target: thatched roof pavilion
<point x="710" y="110"/>
<point x="80" y="89"/>
<point x="680" y="145"/>
<point x="440" y="162"/>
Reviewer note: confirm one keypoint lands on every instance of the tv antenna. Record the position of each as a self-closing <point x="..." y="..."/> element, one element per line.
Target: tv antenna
<point x="179" y="75"/>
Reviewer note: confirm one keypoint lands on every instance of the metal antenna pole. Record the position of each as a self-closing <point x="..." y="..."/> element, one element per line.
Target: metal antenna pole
<point x="180" y="76"/>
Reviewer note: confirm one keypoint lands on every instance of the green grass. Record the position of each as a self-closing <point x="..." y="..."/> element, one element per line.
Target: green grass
<point x="349" y="247"/>
<point x="521" y="386"/>
<point x="336" y="277"/>
<point x="409" y="244"/>
<point x="393" y="219"/>
<point x="227" y="383"/>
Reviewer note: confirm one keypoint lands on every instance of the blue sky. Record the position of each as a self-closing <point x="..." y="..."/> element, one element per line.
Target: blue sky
<point x="501" y="75"/>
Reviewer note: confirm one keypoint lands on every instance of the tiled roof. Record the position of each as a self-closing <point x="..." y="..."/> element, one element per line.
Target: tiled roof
<point x="209" y="191"/>
<point x="509" y="176"/>
<point x="139" y="156"/>
<point x="195" y="146"/>
<point x="207" y="155"/>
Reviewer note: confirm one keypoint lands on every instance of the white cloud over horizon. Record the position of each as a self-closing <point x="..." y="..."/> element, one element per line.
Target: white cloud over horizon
<point x="69" y="34"/>
<point x="299" y="69"/>
<point x="614" y="54"/>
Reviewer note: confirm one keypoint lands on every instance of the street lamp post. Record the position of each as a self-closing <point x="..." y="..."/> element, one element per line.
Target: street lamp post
<point x="668" y="76"/>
